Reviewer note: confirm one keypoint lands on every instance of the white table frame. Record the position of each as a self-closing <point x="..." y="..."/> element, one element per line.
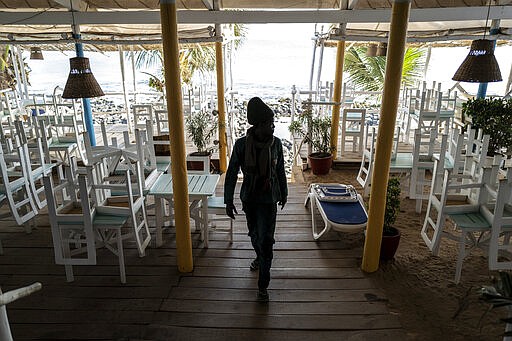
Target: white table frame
<point x="200" y="187"/>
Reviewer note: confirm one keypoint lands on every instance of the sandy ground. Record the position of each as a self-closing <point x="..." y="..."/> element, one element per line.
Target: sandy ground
<point x="420" y="287"/>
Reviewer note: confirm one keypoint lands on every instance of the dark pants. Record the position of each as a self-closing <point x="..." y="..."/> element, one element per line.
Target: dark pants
<point x="261" y="222"/>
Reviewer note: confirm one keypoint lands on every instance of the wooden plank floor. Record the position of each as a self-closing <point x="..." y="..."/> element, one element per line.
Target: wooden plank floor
<point x="317" y="291"/>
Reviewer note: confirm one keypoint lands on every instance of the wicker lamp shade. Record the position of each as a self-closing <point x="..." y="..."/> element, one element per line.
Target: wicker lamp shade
<point x="382" y="49"/>
<point x="36" y="53"/>
<point x="480" y="66"/>
<point x="81" y="82"/>
<point x="371" y="51"/>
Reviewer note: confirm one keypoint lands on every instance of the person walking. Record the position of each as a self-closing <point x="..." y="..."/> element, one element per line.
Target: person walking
<point x="259" y="154"/>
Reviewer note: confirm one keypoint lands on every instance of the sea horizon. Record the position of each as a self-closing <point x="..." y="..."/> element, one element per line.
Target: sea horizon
<point x="274" y="58"/>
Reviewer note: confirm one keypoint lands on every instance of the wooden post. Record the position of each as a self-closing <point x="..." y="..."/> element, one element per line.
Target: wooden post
<point x="389" y="106"/>
<point x="175" y="115"/>
<point x="223" y="164"/>
<point x="338" y="81"/>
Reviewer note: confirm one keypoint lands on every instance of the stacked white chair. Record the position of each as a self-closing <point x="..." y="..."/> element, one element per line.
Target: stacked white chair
<point x="78" y="228"/>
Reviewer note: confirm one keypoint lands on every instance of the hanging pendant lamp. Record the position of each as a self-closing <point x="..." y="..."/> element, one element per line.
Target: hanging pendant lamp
<point x="81" y="82"/>
<point x="36" y="53"/>
<point x="480" y="66"/>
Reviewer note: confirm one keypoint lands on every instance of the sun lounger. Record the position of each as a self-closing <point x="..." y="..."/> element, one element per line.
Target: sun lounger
<point x="340" y="207"/>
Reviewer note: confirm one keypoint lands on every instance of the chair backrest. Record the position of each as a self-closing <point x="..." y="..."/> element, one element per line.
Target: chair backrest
<point x="141" y="114"/>
<point x="162" y="121"/>
<point x="353" y="118"/>
<point x="456" y="150"/>
<point x="501" y="217"/>
<point x="476" y="152"/>
<point x="159" y="146"/>
<point x="71" y="224"/>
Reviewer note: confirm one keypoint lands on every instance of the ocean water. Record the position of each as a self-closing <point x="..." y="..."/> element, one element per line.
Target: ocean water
<point x="273" y="58"/>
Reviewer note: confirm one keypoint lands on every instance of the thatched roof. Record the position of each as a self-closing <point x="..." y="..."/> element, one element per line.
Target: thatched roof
<point x="105" y="24"/>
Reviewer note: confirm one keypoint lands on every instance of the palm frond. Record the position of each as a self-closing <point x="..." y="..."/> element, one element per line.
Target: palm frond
<point x="367" y="73"/>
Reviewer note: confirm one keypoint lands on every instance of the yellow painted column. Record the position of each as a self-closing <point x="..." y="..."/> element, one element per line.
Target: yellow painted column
<point x="338" y="81"/>
<point x="176" y="133"/>
<point x="221" y="107"/>
<point x="389" y="106"/>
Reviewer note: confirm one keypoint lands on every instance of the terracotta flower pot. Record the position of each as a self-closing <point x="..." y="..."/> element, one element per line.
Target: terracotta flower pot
<point x="320" y="163"/>
<point x="389" y="244"/>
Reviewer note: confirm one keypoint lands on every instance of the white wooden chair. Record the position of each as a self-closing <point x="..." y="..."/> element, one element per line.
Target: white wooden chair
<point x="59" y="147"/>
<point x="15" y="191"/>
<point x="427" y="111"/>
<point x="160" y="162"/>
<point x="35" y="163"/>
<point x="364" y="175"/>
<point x="8" y="297"/>
<point x="423" y="160"/>
<point x="141" y="114"/>
<point x="130" y="204"/>
<point x="162" y="122"/>
<point x="500" y="248"/>
<point x="353" y="124"/>
<point x="467" y="205"/>
<point x="73" y="237"/>
<point x="78" y="228"/>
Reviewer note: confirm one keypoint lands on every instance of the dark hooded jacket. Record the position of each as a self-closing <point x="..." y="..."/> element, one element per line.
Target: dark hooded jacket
<point x="278" y="187"/>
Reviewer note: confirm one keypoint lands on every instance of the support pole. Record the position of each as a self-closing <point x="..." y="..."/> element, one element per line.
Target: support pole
<point x="123" y="80"/>
<point x="338" y="82"/>
<point x="23" y="73"/>
<point x="221" y="106"/>
<point x="495" y="29"/>
<point x="389" y="106"/>
<point x="134" y="76"/>
<point x="319" y="70"/>
<point x="85" y="101"/>
<point x="176" y="131"/>
<point x="427" y="62"/>
<point x="16" y="66"/>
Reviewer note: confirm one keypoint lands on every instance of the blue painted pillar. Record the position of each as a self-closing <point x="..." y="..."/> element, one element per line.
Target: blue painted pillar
<point x="482" y="87"/>
<point x="85" y="101"/>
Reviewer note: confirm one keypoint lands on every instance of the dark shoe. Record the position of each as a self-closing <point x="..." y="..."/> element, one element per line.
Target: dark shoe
<point x="262" y="295"/>
<point x="255" y="265"/>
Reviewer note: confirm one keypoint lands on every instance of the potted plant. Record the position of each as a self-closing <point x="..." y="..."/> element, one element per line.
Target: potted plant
<point x="316" y="131"/>
<point x="494" y="116"/>
<point x="201" y="128"/>
<point x="390" y="234"/>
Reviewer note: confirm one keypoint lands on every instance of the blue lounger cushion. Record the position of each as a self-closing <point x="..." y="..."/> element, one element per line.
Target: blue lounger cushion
<point x="346" y="213"/>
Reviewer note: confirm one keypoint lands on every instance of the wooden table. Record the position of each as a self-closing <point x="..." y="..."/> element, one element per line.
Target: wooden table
<point x="200" y="187"/>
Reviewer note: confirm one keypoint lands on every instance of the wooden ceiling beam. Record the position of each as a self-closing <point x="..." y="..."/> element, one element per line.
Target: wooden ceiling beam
<point x="256" y="17"/>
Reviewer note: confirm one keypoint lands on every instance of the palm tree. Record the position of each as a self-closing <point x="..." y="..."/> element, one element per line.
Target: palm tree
<point x="368" y="73"/>
<point x="193" y="58"/>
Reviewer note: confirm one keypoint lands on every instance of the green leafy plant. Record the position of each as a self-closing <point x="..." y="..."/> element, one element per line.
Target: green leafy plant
<point x="494" y="116"/>
<point x="367" y="73"/>
<point x="500" y="295"/>
<point x="313" y="129"/>
<point x="201" y="127"/>
<point x="392" y="204"/>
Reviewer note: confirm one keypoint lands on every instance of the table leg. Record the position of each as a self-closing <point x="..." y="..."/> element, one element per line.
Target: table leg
<point x="204" y="222"/>
<point x="159" y="215"/>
